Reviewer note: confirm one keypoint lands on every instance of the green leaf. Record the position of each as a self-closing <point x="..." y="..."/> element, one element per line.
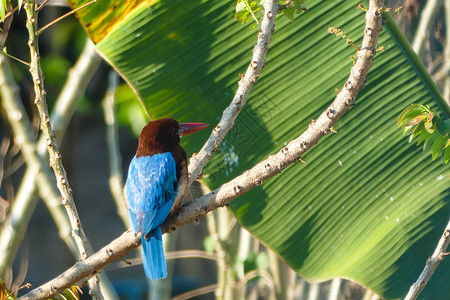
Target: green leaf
<point x="416" y="132"/>
<point x="3" y="9"/>
<point x="429" y="142"/>
<point x="423" y="136"/>
<point x="246" y="10"/>
<point x="438" y="145"/>
<point x="443" y="127"/>
<point x="417" y="119"/>
<point x="365" y="206"/>
<point x="446" y="155"/>
<point x="289" y="12"/>
<point x="411" y="112"/>
<point x="429" y="126"/>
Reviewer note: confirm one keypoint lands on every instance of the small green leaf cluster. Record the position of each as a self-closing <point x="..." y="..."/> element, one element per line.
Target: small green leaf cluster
<point x="290" y="8"/>
<point x="248" y="10"/>
<point x="420" y="122"/>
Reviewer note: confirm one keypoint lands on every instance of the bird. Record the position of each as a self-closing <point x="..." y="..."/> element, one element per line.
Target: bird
<point x="156" y="184"/>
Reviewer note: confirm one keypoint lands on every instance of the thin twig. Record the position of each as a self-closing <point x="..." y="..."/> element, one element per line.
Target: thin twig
<point x="272" y="166"/>
<point x="432" y="262"/>
<point x="198" y="162"/>
<point x="169" y="255"/>
<point x="190" y="254"/>
<point x="63" y="16"/>
<point x="9" y="13"/>
<point x="41" y="6"/>
<point x="197" y="292"/>
<point x="266" y="278"/>
<point x="15" y="58"/>
<point x="115" y="159"/>
<point x="55" y="156"/>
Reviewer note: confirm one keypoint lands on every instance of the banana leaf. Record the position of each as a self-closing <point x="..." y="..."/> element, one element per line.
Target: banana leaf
<point x="366" y="205"/>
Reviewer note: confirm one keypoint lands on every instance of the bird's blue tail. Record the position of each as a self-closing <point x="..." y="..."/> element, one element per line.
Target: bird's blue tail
<point x="153" y="256"/>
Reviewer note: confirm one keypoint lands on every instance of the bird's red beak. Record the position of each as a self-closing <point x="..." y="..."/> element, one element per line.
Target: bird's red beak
<point x="188" y="128"/>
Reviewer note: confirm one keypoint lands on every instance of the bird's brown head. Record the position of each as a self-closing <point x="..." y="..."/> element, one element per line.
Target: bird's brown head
<point x="163" y="135"/>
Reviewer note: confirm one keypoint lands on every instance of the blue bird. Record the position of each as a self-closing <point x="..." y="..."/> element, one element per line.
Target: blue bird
<point x="156" y="185"/>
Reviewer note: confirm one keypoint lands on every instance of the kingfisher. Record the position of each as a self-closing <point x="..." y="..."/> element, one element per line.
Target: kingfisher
<point x="156" y="184"/>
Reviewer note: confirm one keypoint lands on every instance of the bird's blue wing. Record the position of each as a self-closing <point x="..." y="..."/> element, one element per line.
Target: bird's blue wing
<point x="151" y="190"/>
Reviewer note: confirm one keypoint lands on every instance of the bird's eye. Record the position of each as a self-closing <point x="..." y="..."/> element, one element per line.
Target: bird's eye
<point x="173" y="129"/>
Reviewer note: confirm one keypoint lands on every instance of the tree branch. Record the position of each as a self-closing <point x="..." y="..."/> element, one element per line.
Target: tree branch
<point x="198" y="161"/>
<point x="14" y="227"/>
<point x="432" y="262"/>
<point x="62" y="181"/>
<point x="245" y="182"/>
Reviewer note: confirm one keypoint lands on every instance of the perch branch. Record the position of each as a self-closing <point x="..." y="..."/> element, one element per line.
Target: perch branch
<point x="198" y="162"/>
<point x="432" y="262"/>
<point x="243" y="183"/>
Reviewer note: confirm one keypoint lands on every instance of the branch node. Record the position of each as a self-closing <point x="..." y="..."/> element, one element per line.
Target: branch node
<point x="331" y="114"/>
<point x="109" y="251"/>
<point x="254" y="79"/>
<point x="348" y="85"/>
<point x="350" y="101"/>
<point x="368" y="31"/>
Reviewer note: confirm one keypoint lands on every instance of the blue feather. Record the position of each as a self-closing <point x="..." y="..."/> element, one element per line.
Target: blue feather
<point x="153" y="256"/>
<point x="151" y="190"/>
